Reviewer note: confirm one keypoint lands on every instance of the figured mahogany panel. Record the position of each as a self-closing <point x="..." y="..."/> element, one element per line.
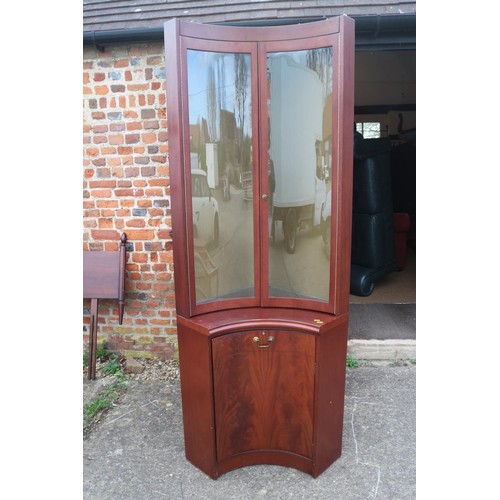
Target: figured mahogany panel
<point x="263" y="392"/>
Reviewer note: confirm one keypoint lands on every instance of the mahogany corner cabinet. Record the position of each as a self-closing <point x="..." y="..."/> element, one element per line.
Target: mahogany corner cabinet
<point x="260" y="123"/>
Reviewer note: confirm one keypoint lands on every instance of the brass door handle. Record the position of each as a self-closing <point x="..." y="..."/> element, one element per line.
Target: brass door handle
<point x="257" y="341"/>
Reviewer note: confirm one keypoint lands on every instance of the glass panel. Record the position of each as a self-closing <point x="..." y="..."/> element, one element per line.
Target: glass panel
<point x="220" y="129"/>
<point x="299" y="171"/>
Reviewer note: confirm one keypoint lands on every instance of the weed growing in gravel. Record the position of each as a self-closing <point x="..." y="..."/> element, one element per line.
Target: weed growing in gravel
<point x="101" y="354"/>
<point x="92" y="409"/>
<point x="112" y="366"/>
<point x="111" y="393"/>
<point x="350" y="362"/>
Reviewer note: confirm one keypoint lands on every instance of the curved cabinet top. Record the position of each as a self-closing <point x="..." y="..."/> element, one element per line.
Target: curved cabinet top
<point x="259" y="33"/>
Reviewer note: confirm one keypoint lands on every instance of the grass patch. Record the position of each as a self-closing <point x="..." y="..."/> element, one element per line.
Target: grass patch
<point x="351" y="362"/>
<point x="101" y="354"/>
<point x="93" y="411"/>
<point x="112" y="366"/>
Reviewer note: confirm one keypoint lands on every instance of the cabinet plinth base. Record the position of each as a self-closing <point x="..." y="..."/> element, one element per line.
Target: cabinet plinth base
<point x="263" y="387"/>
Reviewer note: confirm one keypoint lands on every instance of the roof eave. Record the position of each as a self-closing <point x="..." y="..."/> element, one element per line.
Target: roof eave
<point x="373" y="32"/>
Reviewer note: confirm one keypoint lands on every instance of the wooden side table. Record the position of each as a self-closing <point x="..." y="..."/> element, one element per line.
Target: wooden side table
<point x="103" y="278"/>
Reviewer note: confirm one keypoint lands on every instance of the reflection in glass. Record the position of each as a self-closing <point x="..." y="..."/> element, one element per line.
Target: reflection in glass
<point x="300" y="139"/>
<point x="220" y="129"/>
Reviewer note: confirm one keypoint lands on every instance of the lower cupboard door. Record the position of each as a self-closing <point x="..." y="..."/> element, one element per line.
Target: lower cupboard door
<point x="264" y="392"/>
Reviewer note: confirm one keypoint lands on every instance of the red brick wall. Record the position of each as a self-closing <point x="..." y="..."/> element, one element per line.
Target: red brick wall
<point x="126" y="188"/>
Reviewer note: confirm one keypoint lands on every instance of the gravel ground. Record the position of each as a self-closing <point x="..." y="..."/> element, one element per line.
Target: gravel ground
<point x="157" y="370"/>
<point x="153" y="371"/>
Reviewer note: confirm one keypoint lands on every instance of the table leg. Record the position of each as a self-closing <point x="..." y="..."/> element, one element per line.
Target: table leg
<point x="94" y="304"/>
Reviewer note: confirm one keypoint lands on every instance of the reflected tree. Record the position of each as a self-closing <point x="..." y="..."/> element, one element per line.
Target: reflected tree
<point x="211" y="105"/>
<point x="320" y="61"/>
<point x="242" y="90"/>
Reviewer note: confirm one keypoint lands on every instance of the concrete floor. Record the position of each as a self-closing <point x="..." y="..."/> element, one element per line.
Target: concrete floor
<point x="382" y="321"/>
<point x="137" y="451"/>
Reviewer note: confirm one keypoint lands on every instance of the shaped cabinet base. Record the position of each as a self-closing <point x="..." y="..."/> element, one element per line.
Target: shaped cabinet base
<point x="262" y="386"/>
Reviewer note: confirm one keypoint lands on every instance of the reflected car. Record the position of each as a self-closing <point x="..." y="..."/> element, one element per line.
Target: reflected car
<point x="205" y="211"/>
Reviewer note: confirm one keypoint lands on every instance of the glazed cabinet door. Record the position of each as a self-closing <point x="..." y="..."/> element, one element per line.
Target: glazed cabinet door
<point x="260" y="152"/>
<point x="264" y="392"/>
<point x="299" y="146"/>
<point x="220" y="148"/>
